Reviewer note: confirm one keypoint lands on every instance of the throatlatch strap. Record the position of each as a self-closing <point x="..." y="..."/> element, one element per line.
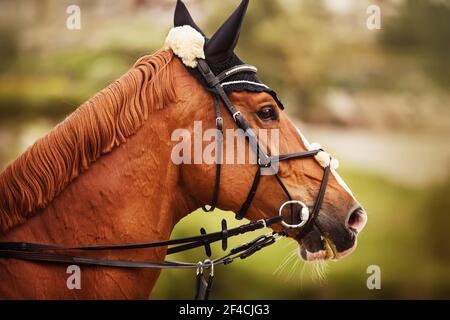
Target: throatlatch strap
<point x="219" y="126"/>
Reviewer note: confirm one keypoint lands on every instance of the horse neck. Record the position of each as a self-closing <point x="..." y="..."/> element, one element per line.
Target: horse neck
<point x="132" y="194"/>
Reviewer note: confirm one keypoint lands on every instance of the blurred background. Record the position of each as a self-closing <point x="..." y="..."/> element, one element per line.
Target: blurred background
<point x="378" y="100"/>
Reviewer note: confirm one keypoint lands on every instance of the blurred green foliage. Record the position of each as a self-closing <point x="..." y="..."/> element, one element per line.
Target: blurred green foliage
<point x="423" y="29"/>
<point x="437" y="206"/>
<point x="9" y="48"/>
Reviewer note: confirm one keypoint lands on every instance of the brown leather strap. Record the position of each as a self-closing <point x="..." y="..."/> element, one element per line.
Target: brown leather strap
<point x="219" y="151"/>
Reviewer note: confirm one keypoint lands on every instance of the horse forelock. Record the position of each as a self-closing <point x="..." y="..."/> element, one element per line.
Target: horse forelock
<point x="97" y="127"/>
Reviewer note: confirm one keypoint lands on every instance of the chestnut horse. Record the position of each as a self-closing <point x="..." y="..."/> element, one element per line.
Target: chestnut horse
<point x="105" y="176"/>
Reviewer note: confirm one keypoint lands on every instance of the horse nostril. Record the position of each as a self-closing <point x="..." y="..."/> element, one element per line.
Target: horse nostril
<point x="357" y="220"/>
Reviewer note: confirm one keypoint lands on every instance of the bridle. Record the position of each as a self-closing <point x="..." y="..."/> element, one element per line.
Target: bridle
<point x="216" y="86"/>
<point x="55" y="254"/>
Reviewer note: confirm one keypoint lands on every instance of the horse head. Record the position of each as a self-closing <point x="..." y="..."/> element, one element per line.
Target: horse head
<point x="332" y="233"/>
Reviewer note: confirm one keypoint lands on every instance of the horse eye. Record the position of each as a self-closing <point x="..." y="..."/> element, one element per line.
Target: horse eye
<point x="267" y="113"/>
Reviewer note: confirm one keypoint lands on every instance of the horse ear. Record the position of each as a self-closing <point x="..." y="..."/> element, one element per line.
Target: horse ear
<point x="183" y="18"/>
<point x="225" y="39"/>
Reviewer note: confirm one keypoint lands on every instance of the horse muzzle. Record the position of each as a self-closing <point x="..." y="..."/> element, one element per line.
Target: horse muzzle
<point x="327" y="240"/>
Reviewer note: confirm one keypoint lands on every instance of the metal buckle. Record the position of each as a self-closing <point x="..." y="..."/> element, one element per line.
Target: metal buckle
<point x="199" y="267"/>
<point x="266" y="165"/>
<point x="235" y="115"/>
<point x="277" y="236"/>
<point x="219" y="121"/>
<point x="208" y="264"/>
<point x="263" y="221"/>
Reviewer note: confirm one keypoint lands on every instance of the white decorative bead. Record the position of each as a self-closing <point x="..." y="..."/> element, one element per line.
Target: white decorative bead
<point x="315" y="146"/>
<point x="334" y="164"/>
<point x="187" y="43"/>
<point x="323" y="158"/>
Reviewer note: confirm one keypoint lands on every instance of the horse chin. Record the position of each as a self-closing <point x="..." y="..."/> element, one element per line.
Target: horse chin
<point x="321" y="248"/>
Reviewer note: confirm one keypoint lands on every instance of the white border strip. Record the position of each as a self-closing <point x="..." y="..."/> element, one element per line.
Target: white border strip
<point x="244" y="81"/>
<point x="250" y="68"/>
